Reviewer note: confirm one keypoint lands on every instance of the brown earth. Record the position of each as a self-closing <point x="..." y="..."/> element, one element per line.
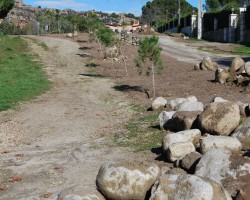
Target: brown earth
<point x="177" y="80"/>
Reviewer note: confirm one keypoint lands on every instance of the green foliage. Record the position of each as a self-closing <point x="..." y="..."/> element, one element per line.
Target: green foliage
<point x="164" y="9"/>
<point x="149" y="50"/>
<point x="21" y="78"/>
<point x="5" y="7"/>
<point x="149" y="53"/>
<point x="216" y="5"/>
<point x="106" y="36"/>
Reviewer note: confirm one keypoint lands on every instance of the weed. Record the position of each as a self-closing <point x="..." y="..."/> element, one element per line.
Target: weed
<point x="141" y="133"/>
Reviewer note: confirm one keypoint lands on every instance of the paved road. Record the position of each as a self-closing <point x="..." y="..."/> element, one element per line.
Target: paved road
<point x="188" y="52"/>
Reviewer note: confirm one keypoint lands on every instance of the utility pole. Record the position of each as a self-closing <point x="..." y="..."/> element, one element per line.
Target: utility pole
<point x="179" y="12"/>
<point x="199" y="34"/>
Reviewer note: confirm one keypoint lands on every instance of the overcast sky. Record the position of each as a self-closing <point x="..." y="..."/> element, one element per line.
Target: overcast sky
<point x="127" y="6"/>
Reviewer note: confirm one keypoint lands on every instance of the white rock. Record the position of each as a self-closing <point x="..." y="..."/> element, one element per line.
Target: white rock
<point x="191" y="99"/>
<point x="172" y="103"/>
<point x="236" y="64"/>
<point x="218" y="100"/>
<point x="220" y="142"/>
<point x="247" y="68"/>
<point x="243" y="107"/>
<point x="208" y="64"/>
<point x="126" y="181"/>
<point x="187" y="187"/>
<point x="190" y="106"/>
<point x="229" y="169"/>
<point x="80" y="193"/>
<point x="158" y="103"/>
<point x="177" y="151"/>
<point x="243" y="135"/>
<point x="164" y="117"/>
<point x="219" y="118"/>
<point x="192" y="135"/>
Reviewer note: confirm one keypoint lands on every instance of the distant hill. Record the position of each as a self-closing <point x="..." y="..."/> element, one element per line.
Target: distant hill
<point x="25" y="13"/>
<point x="159" y="10"/>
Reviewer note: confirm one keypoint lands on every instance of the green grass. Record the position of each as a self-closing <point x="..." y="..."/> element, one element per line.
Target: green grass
<point x="142" y="133"/>
<point x="242" y="50"/>
<point x="21" y="79"/>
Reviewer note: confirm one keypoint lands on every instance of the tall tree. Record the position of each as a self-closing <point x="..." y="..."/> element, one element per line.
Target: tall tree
<point x="213" y="5"/>
<point x="164" y="9"/>
<point x="5" y="7"/>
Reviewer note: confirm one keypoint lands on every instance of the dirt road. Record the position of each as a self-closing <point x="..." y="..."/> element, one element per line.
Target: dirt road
<point x="188" y="52"/>
<point x="54" y="142"/>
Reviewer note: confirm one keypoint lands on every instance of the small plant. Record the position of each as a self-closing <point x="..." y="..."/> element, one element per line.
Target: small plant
<point x="149" y="57"/>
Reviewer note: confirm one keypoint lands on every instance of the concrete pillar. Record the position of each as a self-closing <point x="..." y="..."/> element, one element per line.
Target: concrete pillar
<point x="232" y="26"/>
<point x="193" y="24"/>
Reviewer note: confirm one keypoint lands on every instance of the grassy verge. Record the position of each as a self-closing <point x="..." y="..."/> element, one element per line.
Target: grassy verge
<point x="242" y="50"/>
<point x="142" y="133"/>
<point x="21" y="78"/>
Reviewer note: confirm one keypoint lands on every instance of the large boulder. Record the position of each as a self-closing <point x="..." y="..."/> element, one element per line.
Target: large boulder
<point x="247" y="68"/>
<point x="244" y="193"/>
<point x="237" y="64"/>
<point x="193" y="136"/>
<point x="219" y="118"/>
<point x="222" y="75"/>
<point x="229" y="169"/>
<point x="159" y="103"/>
<point x="190" y="161"/>
<point x="220" y="142"/>
<point x="208" y="64"/>
<point x="80" y="193"/>
<point x="177" y="151"/>
<point x="243" y="135"/>
<point x="190" y="106"/>
<point x="177" y="186"/>
<point x="184" y="120"/>
<point x="126" y="181"/>
<point x="165" y="119"/>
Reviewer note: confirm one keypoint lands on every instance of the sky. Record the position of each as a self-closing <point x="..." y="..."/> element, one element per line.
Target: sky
<point x="117" y="6"/>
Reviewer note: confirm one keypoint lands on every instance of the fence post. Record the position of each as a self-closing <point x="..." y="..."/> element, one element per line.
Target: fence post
<point x="242" y="26"/>
<point x="232" y="26"/>
<point x="193" y="24"/>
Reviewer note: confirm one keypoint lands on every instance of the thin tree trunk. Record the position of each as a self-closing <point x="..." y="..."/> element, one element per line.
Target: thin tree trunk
<point x="124" y="61"/>
<point x="101" y="54"/>
<point x="153" y="80"/>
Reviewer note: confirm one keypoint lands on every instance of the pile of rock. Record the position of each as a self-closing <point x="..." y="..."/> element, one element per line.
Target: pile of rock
<point x="238" y="72"/>
<point x="212" y="143"/>
<point x="208" y="145"/>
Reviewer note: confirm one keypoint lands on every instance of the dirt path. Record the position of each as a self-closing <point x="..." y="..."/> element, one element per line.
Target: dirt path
<point x="54" y="141"/>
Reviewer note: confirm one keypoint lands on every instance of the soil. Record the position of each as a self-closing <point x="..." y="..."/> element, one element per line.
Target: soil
<point x="178" y="79"/>
<point x="59" y="140"/>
